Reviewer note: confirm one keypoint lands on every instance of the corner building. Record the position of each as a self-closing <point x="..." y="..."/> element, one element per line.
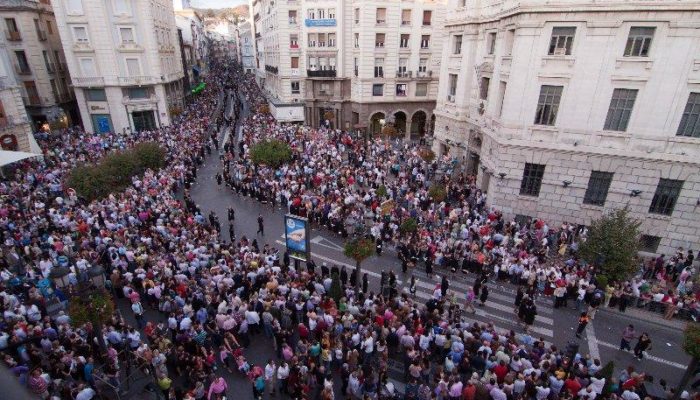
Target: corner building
<point x="124" y="61"/>
<point x="567" y="109"/>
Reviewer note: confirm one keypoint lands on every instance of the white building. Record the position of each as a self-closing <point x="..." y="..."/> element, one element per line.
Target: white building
<point x="567" y="109"/>
<point x="124" y="61"/>
<point x="246" y="50"/>
<point x="360" y="62"/>
<point x="15" y="129"/>
<point x="193" y="38"/>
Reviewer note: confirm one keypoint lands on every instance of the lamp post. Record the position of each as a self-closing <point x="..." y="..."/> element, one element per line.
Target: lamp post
<point x="59" y="276"/>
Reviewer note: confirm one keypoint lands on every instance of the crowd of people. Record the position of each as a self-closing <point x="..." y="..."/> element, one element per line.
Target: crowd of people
<point x="213" y="296"/>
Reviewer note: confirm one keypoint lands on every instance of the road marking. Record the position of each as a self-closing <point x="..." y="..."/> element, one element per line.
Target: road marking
<point x="650" y="357"/>
<point x="592" y="342"/>
<point x="323" y="242"/>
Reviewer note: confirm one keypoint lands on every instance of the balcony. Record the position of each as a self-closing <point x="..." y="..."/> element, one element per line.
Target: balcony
<point x="82" y="47"/>
<point x="424" y="74"/>
<point x="404" y="74"/>
<point x="42" y="35"/>
<point x="292" y="21"/>
<point x="88" y="81"/>
<point x="271" y="69"/>
<point x="319" y="22"/>
<point x="13" y="36"/>
<point x="294" y="46"/>
<point x="23" y="69"/>
<point x="50" y="68"/>
<point x="137" y="80"/>
<point x="327" y="73"/>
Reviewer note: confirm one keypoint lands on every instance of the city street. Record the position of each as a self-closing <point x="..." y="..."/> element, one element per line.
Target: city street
<point x="667" y="360"/>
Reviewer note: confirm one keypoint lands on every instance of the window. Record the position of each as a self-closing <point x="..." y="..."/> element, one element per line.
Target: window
<point x="294" y="41"/>
<point x="127" y="35"/>
<point x="39" y="32"/>
<point x="379" y="40"/>
<point x="331" y="40"/>
<point x="639" y="41"/>
<point x="357" y="15"/>
<point x="133" y="68"/>
<point x="509" y="42"/>
<point x="137" y="93"/>
<point x="501" y="96"/>
<point x="462" y="3"/>
<point x="95" y="94"/>
<point x="423" y="65"/>
<point x="491" y="42"/>
<point x="598" y="186"/>
<point x="457" y="44"/>
<point x="378" y="89"/>
<point x="292" y="15"/>
<point x="403" y="42"/>
<point x="294" y="62"/>
<point x="381" y="15"/>
<point x="548" y="105"/>
<point x="80" y="34"/>
<point x="421" y="89"/>
<point x="321" y="40"/>
<point x="484" y="88"/>
<point x="57" y="58"/>
<point x="54" y="89"/>
<point x="690" y="122"/>
<point x="87" y="66"/>
<point x="49" y="27"/>
<point x="357" y="40"/>
<point x="11" y="25"/>
<point x="121" y="7"/>
<point x="312" y="64"/>
<point x="665" y="197"/>
<point x="311" y="13"/>
<point x="22" y="61"/>
<point x="561" y="41"/>
<point x="620" y="109"/>
<point x="295" y="87"/>
<point x="331" y="13"/>
<point x="649" y="243"/>
<point x="403" y="66"/>
<point x="47" y="61"/>
<point x="427" y="17"/>
<point x="321" y="13"/>
<point x="401" y="89"/>
<point x="378" y="67"/>
<point x="532" y="180"/>
<point x="405" y="17"/>
<point x="356" y="66"/>
<point x="311" y="42"/>
<point x="74" y="7"/>
<point x="425" y="41"/>
<point x="452" y="88"/>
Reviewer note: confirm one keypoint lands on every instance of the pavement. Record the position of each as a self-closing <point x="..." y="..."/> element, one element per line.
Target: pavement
<point x="601" y="340"/>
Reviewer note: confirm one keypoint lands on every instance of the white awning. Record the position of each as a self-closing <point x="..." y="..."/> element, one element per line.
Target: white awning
<point x="33" y="145"/>
<point x="9" y="157"/>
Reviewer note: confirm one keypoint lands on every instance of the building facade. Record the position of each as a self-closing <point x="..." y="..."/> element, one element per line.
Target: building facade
<point x="15" y="126"/>
<point x="193" y="46"/>
<point x="246" y="50"/>
<point x="565" y="115"/>
<point x="356" y="64"/>
<point x="124" y="61"/>
<point x="34" y="48"/>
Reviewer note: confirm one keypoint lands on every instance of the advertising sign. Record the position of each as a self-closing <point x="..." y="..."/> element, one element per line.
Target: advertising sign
<point x="296" y="234"/>
<point x="320" y="22"/>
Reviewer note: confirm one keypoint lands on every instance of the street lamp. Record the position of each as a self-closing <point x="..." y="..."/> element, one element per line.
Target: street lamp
<point x="97" y="276"/>
<point x="59" y="276"/>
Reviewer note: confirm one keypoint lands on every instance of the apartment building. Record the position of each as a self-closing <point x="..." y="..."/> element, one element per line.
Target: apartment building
<point x="15" y="126"/>
<point x="356" y="64"/>
<point x="246" y="48"/>
<point x="124" y="62"/>
<point x="565" y="115"/>
<point x="193" y="45"/>
<point x="35" y="52"/>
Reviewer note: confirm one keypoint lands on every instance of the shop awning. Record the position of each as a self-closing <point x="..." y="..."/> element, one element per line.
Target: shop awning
<point x="9" y="157"/>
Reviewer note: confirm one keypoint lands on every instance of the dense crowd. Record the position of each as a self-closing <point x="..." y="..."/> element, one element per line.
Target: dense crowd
<point x="215" y="296"/>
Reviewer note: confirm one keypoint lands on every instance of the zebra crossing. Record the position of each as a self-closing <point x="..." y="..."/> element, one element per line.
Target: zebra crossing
<point x="499" y="307"/>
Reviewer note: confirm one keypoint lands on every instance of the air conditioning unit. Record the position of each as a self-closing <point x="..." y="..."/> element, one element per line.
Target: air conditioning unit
<point x="560" y="51"/>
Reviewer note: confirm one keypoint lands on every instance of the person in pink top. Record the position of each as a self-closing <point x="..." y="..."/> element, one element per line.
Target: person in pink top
<point x="217" y="388"/>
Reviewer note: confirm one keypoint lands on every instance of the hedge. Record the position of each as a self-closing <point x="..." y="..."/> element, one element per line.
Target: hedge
<point x="114" y="171"/>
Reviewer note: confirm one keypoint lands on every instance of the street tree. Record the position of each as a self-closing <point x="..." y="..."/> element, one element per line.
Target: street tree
<point x="408" y="226"/>
<point x="437" y="192"/>
<point x="92" y="310"/>
<point x="612" y="244"/>
<point x="272" y="153"/>
<point x="691" y="345"/>
<point x="359" y="249"/>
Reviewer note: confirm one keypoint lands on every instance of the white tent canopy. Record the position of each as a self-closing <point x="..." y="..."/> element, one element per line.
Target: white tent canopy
<point x="9" y="157"/>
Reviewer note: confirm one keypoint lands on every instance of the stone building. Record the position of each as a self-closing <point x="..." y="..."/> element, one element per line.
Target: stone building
<point x="565" y="110"/>
<point x="357" y="64"/>
<point x="15" y="127"/>
<point x="246" y="51"/>
<point x="35" y="52"/>
<point x="124" y="61"/>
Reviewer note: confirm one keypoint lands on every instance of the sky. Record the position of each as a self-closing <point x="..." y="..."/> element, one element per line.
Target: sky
<point x="217" y="3"/>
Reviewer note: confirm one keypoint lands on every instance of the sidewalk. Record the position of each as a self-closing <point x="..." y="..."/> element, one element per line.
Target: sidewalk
<point x="647" y="316"/>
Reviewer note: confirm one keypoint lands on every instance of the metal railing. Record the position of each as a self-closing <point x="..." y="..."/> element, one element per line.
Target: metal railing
<point x="88" y="81"/>
<point x="136" y="80"/>
<point x="328" y="73"/>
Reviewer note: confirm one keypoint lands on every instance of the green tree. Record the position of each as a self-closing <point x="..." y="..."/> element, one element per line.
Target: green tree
<point x="95" y="309"/>
<point x="359" y="249"/>
<point x="437" y="192"/>
<point x="612" y="244"/>
<point x="336" y="291"/>
<point x="272" y="153"/>
<point x="382" y="192"/>
<point x="691" y="345"/>
<point x="408" y="226"/>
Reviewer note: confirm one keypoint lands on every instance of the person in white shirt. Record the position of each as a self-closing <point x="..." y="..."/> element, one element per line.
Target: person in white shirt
<point x="629" y="395"/>
<point x="282" y="375"/>
<point x="270" y="375"/>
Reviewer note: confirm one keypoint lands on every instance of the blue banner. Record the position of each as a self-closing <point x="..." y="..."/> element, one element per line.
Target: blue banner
<point x="320" y="22"/>
<point x="296" y="233"/>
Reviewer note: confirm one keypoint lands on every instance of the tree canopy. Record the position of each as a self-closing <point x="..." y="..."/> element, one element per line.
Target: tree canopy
<point x="612" y="244"/>
<point x="271" y="152"/>
<point x="359" y="249"/>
